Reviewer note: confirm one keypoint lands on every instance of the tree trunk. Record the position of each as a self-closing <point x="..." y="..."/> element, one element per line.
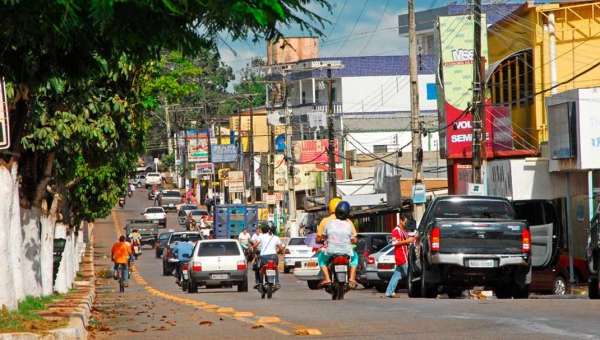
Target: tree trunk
<point x="8" y="188"/>
<point x="48" y="223"/>
<point x="31" y="249"/>
<point x="66" y="271"/>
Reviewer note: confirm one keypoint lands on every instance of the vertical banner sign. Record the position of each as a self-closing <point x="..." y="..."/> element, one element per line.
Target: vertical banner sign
<point x="236" y="181"/>
<point x="197" y="146"/>
<point x="4" y="125"/>
<point x="455" y="36"/>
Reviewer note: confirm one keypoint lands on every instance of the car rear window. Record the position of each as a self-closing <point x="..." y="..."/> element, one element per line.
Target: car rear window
<point x="299" y="241"/>
<point x="171" y="194"/>
<point x="154" y="210"/>
<point x="152" y="175"/>
<point x="198" y="212"/>
<point x="474" y="209"/>
<point x="164" y="236"/>
<point x="191" y="237"/>
<point x="378" y="242"/>
<point x="218" y="249"/>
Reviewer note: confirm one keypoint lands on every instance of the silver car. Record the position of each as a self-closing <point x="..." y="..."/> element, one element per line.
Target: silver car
<point x="373" y="279"/>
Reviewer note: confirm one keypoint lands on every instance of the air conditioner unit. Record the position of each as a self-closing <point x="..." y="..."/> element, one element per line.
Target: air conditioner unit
<point x="317" y="119"/>
<point x="276" y="118"/>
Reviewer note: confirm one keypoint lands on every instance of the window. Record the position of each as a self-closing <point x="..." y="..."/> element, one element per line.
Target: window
<point x="296" y="241"/>
<point x="218" y="249"/>
<point x="154" y="210"/>
<point x="173" y="193"/>
<point x="473" y="209"/>
<point x="378" y="242"/>
<point x="380" y="148"/>
<point x="303" y="97"/>
<point x="194" y="237"/>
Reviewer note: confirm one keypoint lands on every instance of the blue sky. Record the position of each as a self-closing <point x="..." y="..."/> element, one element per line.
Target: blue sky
<point x="358" y="28"/>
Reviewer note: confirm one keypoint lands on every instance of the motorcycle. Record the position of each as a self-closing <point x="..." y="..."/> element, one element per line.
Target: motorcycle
<point x="184" y="281"/>
<point x="268" y="273"/>
<point x="122" y="202"/>
<point x="136" y="249"/>
<point x="130" y="193"/>
<point x="339" y="267"/>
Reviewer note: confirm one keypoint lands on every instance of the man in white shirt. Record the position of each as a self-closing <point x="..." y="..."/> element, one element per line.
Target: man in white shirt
<point x="270" y="245"/>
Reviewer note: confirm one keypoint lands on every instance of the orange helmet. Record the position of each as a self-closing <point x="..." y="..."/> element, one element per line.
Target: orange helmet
<point x="333" y="204"/>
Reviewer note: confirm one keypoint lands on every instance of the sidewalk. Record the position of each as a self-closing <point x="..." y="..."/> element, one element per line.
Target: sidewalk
<point x="74" y="307"/>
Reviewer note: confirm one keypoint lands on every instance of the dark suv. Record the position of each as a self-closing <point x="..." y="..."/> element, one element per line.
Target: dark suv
<point x="369" y="243"/>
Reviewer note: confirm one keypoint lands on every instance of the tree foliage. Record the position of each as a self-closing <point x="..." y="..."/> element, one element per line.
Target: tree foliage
<point x="77" y="67"/>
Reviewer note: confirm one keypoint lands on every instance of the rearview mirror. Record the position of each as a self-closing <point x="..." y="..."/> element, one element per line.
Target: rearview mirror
<point x="411" y="225"/>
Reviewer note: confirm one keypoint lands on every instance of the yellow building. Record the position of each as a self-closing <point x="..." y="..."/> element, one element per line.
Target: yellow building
<point x="536" y="51"/>
<point x="260" y="131"/>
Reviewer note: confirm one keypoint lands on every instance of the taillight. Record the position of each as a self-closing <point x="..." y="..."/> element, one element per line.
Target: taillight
<point x="197" y="266"/>
<point x="366" y="253"/>
<point x="287" y="251"/>
<point x="340" y="260"/>
<point x="145" y="217"/>
<point x="526" y="241"/>
<point x="164" y="216"/>
<point x="271" y="265"/>
<point x="184" y="267"/>
<point x="241" y="265"/>
<point x="168" y="252"/>
<point x="158" y="244"/>
<point x="370" y="260"/>
<point x="435" y="239"/>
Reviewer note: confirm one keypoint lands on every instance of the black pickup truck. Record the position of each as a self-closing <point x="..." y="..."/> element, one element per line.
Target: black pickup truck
<point x="467" y="241"/>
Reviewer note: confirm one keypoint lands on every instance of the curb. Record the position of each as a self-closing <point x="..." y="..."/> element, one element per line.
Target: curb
<point x="79" y="316"/>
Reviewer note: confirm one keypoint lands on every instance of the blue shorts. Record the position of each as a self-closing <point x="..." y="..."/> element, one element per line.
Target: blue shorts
<point x="324" y="258"/>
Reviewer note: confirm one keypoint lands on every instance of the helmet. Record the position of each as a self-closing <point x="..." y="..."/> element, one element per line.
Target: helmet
<point x="184" y="237"/>
<point x="333" y="204"/>
<point x="342" y="211"/>
<point x="134" y="230"/>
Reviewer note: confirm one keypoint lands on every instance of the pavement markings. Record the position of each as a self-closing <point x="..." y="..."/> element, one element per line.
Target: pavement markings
<point x="248" y="317"/>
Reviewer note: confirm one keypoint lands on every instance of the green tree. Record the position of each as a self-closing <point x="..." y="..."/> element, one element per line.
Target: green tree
<point x="253" y="82"/>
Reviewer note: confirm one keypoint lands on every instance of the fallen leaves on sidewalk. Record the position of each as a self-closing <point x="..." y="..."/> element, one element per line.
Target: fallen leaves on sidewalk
<point x="206" y="323"/>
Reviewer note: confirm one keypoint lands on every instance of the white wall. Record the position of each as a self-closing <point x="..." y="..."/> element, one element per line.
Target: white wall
<point x="368" y="139"/>
<point x="385" y="93"/>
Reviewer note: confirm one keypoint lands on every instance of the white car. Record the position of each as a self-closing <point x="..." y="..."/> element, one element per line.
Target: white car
<point x="295" y="250"/>
<point x="308" y="270"/>
<point x="153" y="178"/>
<point x="218" y="263"/>
<point x="139" y="180"/>
<point x="156" y="214"/>
<point x="372" y="270"/>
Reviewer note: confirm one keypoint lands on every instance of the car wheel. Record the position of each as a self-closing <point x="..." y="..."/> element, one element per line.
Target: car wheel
<point x="286" y="269"/>
<point x="165" y="272"/>
<point x="313" y="284"/>
<point x="367" y="285"/>
<point x="593" y="291"/>
<point x="428" y="290"/>
<point x="521" y="291"/>
<point x="243" y="286"/>
<point x="504" y="291"/>
<point x="192" y="287"/>
<point x="453" y="293"/>
<point x="157" y="255"/>
<point x="413" y="289"/>
<point x="381" y="287"/>
<point x="559" y="286"/>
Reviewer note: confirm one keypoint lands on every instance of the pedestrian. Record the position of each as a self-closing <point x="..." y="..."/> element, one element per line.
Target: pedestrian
<point x="400" y="240"/>
<point x="194" y="199"/>
<point x="208" y="201"/>
<point x="188" y="195"/>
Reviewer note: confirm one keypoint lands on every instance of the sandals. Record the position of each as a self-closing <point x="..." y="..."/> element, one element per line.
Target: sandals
<point x="323" y="284"/>
<point x="352" y="285"/>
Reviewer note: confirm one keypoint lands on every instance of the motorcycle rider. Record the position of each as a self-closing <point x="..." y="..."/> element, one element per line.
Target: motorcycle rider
<point x="320" y="239"/>
<point x="131" y="188"/>
<point x="136" y="237"/>
<point x="182" y="248"/>
<point x="270" y="245"/>
<point x="244" y="239"/>
<point x="340" y="237"/>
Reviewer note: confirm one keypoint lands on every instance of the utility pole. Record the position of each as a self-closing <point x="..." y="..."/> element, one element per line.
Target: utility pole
<point x="331" y="137"/>
<point x="417" y="150"/>
<point x="289" y="155"/>
<point x="170" y="144"/>
<point x="478" y="108"/>
<point x="251" y="151"/>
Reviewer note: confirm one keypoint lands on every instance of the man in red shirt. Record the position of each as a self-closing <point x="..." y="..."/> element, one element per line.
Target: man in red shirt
<point x="400" y="239"/>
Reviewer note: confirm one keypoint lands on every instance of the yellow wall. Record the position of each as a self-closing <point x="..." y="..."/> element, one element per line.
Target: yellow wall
<point x="260" y="133"/>
<point x="577" y="28"/>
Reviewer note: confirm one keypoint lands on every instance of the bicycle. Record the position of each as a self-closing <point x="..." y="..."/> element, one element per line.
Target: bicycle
<point x="120" y="274"/>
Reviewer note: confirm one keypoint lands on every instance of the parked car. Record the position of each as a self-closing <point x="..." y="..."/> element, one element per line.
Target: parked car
<point x="168" y="259"/>
<point x="554" y="280"/>
<point x="580" y="273"/>
<point x="139" y="180"/>
<point x="308" y="270"/>
<point x="196" y="215"/>
<point x="183" y="211"/>
<point x="295" y="250"/>
<point x="161" y="242"/>
<point x="156" y="214"/>
<point x="218" y="263"/>
<point x="369" y="243"/>
<point x="373" y="279"/>
<point x="168" y="199"/>
<point x="153" y="178"/>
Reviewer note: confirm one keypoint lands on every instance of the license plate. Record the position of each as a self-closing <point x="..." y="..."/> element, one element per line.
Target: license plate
<point x="341" y="268"/>
<point x="481" y="263"/>
<point x="311" y="264"/>
<point x="171" y="205"/>
<point x="302" y="251"/>
<point x="270" y="272"/>
<point x="219" y="277"/>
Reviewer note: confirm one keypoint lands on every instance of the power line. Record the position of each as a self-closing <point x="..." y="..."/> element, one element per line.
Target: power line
<point x="376" y="27"/>
<point x="355" y="23"/>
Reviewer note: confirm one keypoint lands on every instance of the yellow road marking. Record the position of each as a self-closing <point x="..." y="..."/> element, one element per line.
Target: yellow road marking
<point x="223" y="311"/>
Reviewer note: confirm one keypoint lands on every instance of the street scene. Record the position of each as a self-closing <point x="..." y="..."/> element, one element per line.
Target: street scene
<point x="300" y="168"/>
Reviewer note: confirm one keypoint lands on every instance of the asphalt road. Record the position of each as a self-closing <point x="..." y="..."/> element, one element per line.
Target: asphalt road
<point x="153" y="307"/>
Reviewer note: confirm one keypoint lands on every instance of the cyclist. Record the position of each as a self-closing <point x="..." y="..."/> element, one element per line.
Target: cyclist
<point x="182" y="248"/>
<point x="120" y="254"/>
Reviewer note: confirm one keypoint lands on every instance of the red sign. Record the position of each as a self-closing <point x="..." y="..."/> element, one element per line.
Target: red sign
<point x="314" y="151"/>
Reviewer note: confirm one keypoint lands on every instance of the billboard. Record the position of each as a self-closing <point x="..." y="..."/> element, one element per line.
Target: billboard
<point x="305" y="175"/>
<point x="562" y="130"/>
<point x="205" y="168"/>
<point x="455" y="49"/>
<point x="224" y="153"/>
<point x="502" y="132"/>
<point x="236" y="181"/>
<point x="314" y="151"/>
<point x="197" y="142"/>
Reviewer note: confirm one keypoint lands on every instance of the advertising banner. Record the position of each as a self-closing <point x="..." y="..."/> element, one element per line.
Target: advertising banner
<point x="455" y="36"/>
<point x="205" y="168"/>
<point x="314" y="151"/>
<point x="197" y="144"/>
<point x="502" y="131"/>
<point x="224" y="153"/>
<point x="236" y="181"/>
<point x="305" y="175"/>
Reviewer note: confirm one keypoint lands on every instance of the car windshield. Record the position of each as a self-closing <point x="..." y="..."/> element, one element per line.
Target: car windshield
<point x="191" y="237"/>
<point x="218" y="249"/>
<point x="296" y="241"/>
<point x="154" y="210"/>
<point x="171" y="194"/>
<point x="198" y="212"/>
<point x="473" y="209"/>
<point x="164" y="236"/>
<point x="188" y="207"/>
